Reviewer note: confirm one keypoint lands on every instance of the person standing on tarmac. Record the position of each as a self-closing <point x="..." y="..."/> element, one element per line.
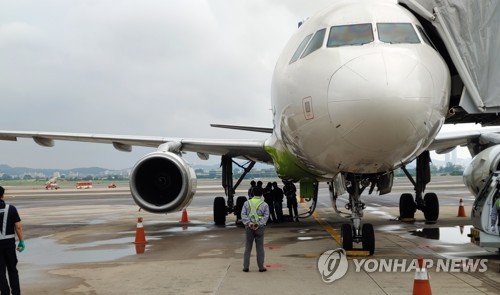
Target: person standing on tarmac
<point x="290" y="192"/>
<point x="254" y="215"/>
<point x="10" y="222"/>
<point x="252" y="185"/>
<point x="277" y="193"/>
<point x="268" y="198"/>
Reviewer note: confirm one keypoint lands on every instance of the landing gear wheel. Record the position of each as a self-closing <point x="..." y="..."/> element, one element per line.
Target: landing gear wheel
<point x="407" y="206"/>
<point x="431" y="209"/>
<point x="346" y="236"/>
<point x="240" y="201"/>
<point x="368" y="237"/>
<point x="220" y="211"/>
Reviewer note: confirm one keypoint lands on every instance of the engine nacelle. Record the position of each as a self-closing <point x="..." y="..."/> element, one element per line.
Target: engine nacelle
<point x="480" y="168"/>
<point x="162" y="182"/>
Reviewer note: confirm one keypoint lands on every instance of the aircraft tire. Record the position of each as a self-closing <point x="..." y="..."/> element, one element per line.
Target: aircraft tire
<point x="407" y="206"/>
<point x="346" y="236"/>
<point x="368" y="238"/>
<point x="431" y="209"/>
<point x="219" y="211"/>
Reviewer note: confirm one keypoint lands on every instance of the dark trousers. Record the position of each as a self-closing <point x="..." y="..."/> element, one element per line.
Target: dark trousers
<point x="8" y="263"/>
<point x="278" y="207"/>
<point x="272" y="216"/>
<point x="251" y="236"/>
<point x="292" y="205"/>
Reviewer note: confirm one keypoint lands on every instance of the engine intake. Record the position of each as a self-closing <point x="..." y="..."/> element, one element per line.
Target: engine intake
<point x="162" y="182"/>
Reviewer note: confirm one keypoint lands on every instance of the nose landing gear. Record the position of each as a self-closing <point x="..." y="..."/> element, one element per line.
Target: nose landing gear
<point x="356" y="232"/>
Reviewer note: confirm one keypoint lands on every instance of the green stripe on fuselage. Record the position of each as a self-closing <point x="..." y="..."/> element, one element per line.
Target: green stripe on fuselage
<point x="286" y="165"/>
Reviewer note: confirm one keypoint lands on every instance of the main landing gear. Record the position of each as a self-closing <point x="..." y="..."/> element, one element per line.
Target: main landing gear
<point x="221" y="210"/>
<point x="355" y="232"/>
<point x="429" y="203"/>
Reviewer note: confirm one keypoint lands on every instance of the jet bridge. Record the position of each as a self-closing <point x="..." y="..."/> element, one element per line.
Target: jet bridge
<point x="466" y="34"/>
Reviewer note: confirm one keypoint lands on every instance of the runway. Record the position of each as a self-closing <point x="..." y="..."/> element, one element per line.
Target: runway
<point x="80" y="242"/>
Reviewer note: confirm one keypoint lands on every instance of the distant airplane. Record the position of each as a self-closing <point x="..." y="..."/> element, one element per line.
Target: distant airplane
<point x="359" y="91"/>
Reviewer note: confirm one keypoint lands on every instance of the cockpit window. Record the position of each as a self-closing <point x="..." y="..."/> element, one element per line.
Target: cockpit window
<point x="315" y="44"/>
<point x="397" y="33"/>
<point x="350" y="35"/>
<point x="301" y="47"/>
<point x="424" y="36"/>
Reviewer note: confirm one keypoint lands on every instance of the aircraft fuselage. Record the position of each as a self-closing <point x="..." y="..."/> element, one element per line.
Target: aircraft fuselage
<point x="357" y="89"/>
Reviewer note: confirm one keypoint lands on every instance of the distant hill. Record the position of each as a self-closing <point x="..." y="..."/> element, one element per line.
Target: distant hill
<point x="6" y="169"/>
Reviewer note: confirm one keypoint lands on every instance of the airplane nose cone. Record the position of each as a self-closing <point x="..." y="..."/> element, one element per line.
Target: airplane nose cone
<point x="381" y="103"/>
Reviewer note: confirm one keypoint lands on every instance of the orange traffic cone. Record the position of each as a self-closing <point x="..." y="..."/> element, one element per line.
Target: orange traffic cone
<point x="184" y="217"/>
<point x="421" y="285"/>
<point x="302" y="200"/>
<point x="140" y="248"/>
<point x="461" y="209"/>
<point x="140" y="236"/>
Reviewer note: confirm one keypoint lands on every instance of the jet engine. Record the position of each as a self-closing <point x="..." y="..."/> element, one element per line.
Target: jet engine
<point x="480" y="168"/>
<point x="162" y="182"/>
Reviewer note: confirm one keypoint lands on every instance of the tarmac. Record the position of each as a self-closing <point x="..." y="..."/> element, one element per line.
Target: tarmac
<point x="86" y="247"/>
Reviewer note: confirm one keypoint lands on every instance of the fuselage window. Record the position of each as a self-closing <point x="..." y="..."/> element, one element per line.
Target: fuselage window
<point x="350" y="35"/>
<point x="397" y="33"/>
<point x="315" y="44"/>
<point x="299" y="50"/>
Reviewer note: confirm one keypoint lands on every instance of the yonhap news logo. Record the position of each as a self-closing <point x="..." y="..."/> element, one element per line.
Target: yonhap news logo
<point x="333" y="265"/>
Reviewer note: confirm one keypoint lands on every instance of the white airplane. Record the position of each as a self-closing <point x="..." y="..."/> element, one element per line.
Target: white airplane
<point x="358" y="92"/>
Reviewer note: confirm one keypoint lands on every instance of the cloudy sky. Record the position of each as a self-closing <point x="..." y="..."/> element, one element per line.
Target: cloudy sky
<point x="154" y="67"/>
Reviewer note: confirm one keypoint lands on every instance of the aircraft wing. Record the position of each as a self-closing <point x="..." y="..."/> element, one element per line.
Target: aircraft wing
<point x="243" y="149"/>
<point x="446" y="141"/>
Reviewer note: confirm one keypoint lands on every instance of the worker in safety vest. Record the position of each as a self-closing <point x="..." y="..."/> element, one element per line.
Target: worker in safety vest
<point x="10" y="222"/>
<point x="254" y="215"/>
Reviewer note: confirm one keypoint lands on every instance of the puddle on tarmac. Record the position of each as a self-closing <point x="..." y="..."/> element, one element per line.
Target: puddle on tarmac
<point x="450" y="235"/>
<point x="45" y="251"/>
<point x="183" y="229"/>
<point x="312" y="238"/>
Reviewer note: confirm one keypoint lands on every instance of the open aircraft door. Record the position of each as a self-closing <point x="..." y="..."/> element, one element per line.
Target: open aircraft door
<point x="481" y="233"/>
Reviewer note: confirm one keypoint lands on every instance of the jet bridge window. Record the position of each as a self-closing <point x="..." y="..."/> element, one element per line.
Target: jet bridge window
<point x="397" y="33"/>
<point x="358" y="34"/>
<point x="315" y="44"/>
<point x="299" y="50"/>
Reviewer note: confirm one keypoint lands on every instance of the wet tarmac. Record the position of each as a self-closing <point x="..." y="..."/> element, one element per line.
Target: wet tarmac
<point x="82" y="248"/>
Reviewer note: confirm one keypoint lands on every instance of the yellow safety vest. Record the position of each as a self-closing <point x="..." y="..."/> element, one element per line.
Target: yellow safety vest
<point x="254" y="205"/>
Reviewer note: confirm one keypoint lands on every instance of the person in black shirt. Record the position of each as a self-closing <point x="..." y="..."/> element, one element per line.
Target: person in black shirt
<point x="290" y="192"/>
<point x="268" y="198"/>
<point x="10" y="223"/>
<point x="277" y="193"/>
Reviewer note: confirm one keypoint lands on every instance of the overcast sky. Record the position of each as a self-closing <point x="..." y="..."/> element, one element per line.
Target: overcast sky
<point x="153" y="67"/>
<point x="159" y="68"/>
